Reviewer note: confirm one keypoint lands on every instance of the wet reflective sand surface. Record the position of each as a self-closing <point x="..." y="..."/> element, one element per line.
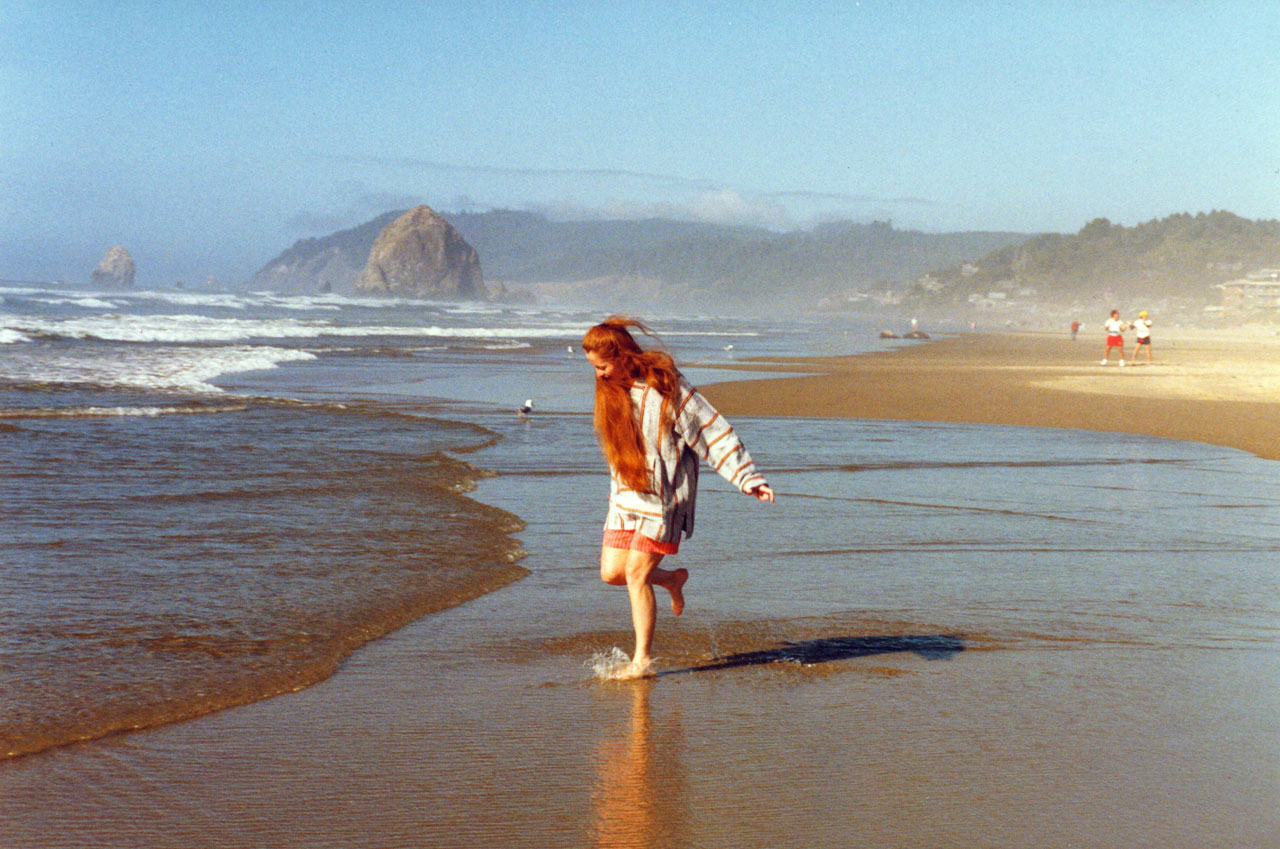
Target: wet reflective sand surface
<point x="939" y="636"/>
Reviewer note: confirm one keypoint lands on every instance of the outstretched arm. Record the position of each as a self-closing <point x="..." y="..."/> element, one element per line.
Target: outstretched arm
<point x="714" y="440"/>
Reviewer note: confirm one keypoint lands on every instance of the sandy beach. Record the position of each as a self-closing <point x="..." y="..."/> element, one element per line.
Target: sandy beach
<point x="939" y="637"/>
<point x="1217" y="387"/>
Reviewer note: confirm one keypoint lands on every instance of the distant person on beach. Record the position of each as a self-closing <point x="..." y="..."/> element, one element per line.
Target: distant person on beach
<point x="654" y="427"/>
<point x="1142" y="327"/>
<point x="1075" y="328"/>
<point x="1114" y="329"/>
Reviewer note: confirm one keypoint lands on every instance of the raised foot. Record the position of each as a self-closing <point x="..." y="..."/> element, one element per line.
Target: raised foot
<point x="677" y="591"/>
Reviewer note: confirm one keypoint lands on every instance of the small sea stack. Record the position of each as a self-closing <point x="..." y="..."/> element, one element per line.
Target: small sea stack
<point x="115" y="271"/>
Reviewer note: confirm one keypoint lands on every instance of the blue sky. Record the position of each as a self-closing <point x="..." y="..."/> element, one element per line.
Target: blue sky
<point x="207" y="136"/>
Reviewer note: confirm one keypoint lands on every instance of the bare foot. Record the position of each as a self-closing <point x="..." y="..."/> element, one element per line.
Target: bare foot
<point x="677" y="591"/>
<point x="633" y="670"/>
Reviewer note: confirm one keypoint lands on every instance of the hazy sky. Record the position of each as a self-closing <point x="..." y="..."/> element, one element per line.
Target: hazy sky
<point x="207" y="136"/>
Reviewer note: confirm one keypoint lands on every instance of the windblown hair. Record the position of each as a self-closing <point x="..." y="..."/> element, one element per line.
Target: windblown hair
<point x="616" y="419"/>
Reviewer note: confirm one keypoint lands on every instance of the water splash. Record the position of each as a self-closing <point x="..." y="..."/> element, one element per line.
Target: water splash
<point x="606" y="665"/>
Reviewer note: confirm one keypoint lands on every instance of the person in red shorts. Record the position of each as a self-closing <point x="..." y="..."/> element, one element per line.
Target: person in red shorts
<point x="1114" y="328"/>
<point x="654" y="429"/>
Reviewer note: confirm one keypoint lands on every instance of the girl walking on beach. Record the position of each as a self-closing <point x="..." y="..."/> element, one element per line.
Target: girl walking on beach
<point x="654" y="427"/>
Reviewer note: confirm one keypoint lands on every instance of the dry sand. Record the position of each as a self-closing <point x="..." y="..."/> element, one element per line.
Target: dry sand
<point x="1220" y="387"/>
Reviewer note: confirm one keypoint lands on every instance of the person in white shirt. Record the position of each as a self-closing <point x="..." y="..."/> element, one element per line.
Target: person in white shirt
<point x="1114" y="328"/>
<point x="1142" y="327"/>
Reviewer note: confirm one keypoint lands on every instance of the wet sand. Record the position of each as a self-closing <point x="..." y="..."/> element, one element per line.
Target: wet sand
<point x="1218" y="387"/>
<point x="856" y="676"/>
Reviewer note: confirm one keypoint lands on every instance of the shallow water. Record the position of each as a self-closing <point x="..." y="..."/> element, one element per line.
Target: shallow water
<point x="1005" y="637"/>
<point x="161" y="566"/>
<point x="940" y="635"/>
<point x="214" y="498"/>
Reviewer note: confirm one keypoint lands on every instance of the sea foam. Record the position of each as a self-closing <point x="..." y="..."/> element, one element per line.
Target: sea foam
<point x="191" y="328"/>
<point x="110" y="412"/>
<point x="168" y="369"/>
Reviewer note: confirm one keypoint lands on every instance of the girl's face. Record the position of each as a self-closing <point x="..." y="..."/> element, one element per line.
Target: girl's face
<point x="603" y="367"/>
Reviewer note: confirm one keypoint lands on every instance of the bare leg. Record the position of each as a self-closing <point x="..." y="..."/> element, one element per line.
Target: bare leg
<point x="613" y="571"/>
<point x="644" y="611"/>
<point x="639" y="571"/>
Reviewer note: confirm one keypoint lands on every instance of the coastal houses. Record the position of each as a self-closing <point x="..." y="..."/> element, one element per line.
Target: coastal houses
<point x="1256" y="292"/>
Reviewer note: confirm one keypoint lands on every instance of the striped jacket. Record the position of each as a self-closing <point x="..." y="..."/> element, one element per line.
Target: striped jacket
<point x="699" y="432"/>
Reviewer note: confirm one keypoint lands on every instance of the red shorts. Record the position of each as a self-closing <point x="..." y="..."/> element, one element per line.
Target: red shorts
<point x="1115" y="341"/>
<point x="630" y="540"/>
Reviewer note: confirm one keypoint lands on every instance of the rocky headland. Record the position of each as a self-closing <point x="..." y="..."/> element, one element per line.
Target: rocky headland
<point x="330" y="269"/>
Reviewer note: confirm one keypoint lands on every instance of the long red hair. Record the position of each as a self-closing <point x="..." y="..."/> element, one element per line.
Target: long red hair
<point x="616" y="421"/>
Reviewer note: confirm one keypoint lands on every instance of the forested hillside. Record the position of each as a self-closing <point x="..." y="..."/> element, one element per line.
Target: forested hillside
<point x="1182" y="256"/>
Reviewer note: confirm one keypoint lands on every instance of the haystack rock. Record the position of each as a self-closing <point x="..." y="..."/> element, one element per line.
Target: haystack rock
<point x="116" y="269"/>
<point x="421" y="255"/>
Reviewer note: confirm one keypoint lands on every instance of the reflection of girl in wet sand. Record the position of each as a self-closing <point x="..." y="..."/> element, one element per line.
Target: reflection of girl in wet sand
<point x="654" y="427"/>
<point x="638" y="798"/>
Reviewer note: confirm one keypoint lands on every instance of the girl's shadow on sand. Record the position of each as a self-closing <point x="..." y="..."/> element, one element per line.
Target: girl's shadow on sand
<point x="826" y="649"/>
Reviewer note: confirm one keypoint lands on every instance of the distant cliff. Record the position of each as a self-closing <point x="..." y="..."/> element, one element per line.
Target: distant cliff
<point x="330" y="263"/>
<point x="707" y="264"/>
